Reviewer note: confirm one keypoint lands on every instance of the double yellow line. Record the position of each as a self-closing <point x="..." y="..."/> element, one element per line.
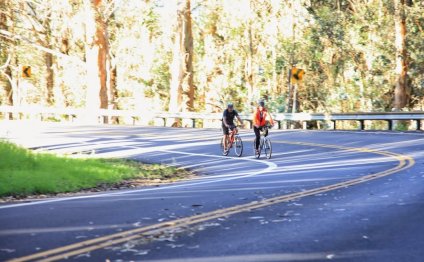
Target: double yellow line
<point x="154" y="230"/>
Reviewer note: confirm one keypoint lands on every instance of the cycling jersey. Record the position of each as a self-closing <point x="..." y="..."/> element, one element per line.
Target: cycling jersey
<point x="229" y="116"/>
<point x="259" y="117"/>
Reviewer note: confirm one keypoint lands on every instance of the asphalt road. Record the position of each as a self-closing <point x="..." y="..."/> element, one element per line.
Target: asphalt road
<point x="343" y="196"/>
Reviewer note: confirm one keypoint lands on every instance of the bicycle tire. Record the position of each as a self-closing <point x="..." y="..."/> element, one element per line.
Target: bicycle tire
<point x="258" y="154"/>
<point x="267" y="148"/>
<point x="224" y="152"/>
<point x="238" y="148"/>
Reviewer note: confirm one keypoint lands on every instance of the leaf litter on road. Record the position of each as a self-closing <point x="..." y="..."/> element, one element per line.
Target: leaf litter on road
<point x="7" y="250"/>
<point x="87" y="255"/>
<point x="256" y="217"/>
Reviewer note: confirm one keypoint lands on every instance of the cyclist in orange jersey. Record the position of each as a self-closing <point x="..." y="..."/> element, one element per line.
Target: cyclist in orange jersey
<point x="260" y="116"/>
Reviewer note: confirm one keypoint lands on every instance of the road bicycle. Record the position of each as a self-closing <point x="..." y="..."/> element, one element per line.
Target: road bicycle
<point x="233" y="141"/>
<point x="264" y="144"/>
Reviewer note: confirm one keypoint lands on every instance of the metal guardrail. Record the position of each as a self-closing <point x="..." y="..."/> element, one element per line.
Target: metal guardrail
<point x="43" y="113"/>
<point x="361" y="117"/>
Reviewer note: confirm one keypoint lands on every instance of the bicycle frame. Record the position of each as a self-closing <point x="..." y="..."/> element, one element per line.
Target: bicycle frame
<point x="233" y="138"/>
<point x="264" y="144"/>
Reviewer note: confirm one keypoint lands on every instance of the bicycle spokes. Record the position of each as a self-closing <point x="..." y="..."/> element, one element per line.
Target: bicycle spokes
<point x="238" y="146"/>
<point x="267" y="148"/>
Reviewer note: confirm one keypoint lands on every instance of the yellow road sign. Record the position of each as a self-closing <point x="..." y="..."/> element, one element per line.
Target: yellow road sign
<point x="26" y="71"/>
<point x="296" y="75"/>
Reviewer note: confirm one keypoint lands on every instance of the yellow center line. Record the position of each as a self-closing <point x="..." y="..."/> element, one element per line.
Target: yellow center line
<point x="405" y="162"/>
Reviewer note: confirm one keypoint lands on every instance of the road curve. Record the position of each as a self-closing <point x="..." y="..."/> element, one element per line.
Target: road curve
<point x="344" y="196"/>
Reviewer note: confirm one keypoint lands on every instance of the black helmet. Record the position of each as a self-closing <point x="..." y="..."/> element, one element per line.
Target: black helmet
<point x="261" y="103"/>
<point x="230" y="105"/>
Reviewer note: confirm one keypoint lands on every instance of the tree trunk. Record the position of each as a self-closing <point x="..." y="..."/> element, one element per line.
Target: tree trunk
<point x="9" y="89"/>
<point x="289" y="91"/>
<point x="401" y="89"/>
<point x="182" y="87"/>
<point x="113" y="92"/>
<point x="64" y="49"/>
<point x="274" y="86"/>
<point x="48" y="60"/>
<point x="211" y="75"/>
<point x="97" y="47"/>
<point x="188" y="86"/>
<point x="176" y="92"/>
<point x="249" y="64"/>
<point x="7" y="53"/>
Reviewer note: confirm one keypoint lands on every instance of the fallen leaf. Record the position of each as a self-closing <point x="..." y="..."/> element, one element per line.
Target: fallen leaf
<point x="142" y="252"/>
<point x="256" y="217"/>
<point x="7" y="250"/>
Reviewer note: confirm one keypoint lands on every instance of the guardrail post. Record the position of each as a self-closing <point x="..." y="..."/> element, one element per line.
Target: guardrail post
<point x="390" y="124"/>
<point x="418" y="121"/>
<point x="279" y="124"/>
<point x="194" y="122"/>
<point x="250" y="123"/>
<point x="304" y="125"/>
<point x="334" y="124"/>
<point x="361" y="124"/>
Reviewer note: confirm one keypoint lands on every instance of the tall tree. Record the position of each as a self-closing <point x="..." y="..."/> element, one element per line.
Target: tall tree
<point x="212" y="71"/>
<point x="97" y="47"/>
<point x="39" y="16"/>
<point x="111" y="82"/>
<point x="6" y="53"/>
<point x="182" y="86"/>
<point x="401" y="89"/>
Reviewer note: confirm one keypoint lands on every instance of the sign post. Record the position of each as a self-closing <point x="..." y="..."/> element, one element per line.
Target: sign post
<point x="296" y="77"/>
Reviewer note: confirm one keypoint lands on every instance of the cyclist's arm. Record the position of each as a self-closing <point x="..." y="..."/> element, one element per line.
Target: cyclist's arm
<point x="254" y="119"/>
<point x="225" y="122"/>
<point x="224" y="118"/>
<point x="271" y="121"/>
<point x="239" y="119"/>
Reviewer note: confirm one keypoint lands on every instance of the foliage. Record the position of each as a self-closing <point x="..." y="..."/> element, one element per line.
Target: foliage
<point x="243" y="50"/>
<point x="23" y="172"/>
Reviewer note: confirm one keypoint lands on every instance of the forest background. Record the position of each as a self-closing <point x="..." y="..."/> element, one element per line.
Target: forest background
<point x="198" y="55"/>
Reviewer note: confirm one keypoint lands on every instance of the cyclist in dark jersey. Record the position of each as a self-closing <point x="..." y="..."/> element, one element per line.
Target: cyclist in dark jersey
<point x="228" y="121"/>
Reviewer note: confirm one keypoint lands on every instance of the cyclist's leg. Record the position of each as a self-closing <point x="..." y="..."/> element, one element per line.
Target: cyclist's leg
<point x="233" y="130"/>
<point x="258" y="136"/>
<point x="225" y="136"/>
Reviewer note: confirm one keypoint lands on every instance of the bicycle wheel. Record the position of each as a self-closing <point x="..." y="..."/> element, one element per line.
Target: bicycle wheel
<point x="267" y="148"/>
<point x="258" y="153"/>
<point x="223" y="151"/>
<point x="238" y="146"/>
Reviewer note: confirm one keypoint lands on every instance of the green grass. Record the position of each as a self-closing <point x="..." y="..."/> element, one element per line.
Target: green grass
<point x="23" y="172"/>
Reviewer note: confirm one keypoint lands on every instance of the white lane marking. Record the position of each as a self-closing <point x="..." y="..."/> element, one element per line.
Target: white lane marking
<point x="270" y="166"/>
<point x="133" y="150"/>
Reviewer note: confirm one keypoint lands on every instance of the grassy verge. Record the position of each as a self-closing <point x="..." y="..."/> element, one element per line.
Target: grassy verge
<point x="24" y="173"/>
